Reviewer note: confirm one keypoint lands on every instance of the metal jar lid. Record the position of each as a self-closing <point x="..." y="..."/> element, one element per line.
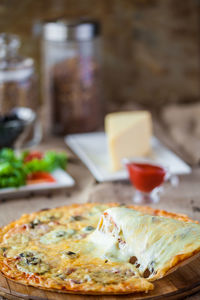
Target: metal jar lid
<point x="62" y="30"/>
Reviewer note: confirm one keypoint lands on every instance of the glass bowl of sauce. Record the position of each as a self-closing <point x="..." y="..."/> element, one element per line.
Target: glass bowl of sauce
<point x="147" y="178"/>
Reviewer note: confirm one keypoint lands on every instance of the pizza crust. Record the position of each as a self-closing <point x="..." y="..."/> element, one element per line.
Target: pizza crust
<point x="180" y="261"/>
<point x="111" y="291"/>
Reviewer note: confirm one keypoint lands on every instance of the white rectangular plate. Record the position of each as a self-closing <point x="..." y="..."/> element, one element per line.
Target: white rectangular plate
<point x="63" y="180"/>
<point x="93" y="151"/>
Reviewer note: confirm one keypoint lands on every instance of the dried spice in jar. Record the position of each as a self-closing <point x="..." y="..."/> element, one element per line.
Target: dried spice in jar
<point x="72" y="77"/>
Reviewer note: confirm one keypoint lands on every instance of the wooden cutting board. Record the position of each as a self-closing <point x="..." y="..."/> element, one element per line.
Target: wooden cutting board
<point x="181" y="283"/>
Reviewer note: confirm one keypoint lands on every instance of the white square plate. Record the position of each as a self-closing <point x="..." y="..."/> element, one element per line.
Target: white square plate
<point x="63" y="180"/>
<point x="93" y="151"/>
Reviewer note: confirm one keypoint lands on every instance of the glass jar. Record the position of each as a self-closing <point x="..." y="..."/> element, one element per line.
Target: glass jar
<point x="18" y="83"/>
<point x="71" y="73"/>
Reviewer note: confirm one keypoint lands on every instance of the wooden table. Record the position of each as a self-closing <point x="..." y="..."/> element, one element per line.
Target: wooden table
<point x="183" y="199"/>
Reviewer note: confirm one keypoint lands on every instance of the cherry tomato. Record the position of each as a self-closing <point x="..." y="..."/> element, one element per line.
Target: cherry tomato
<point x="40" y="177"/>
<point x="32" y="155"/>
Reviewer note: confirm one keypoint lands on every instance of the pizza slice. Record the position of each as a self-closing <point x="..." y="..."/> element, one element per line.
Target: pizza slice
<point x="154" y="244"/>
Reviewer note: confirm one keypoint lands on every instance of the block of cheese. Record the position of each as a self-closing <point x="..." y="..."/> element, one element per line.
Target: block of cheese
<point x="129" y="135"/>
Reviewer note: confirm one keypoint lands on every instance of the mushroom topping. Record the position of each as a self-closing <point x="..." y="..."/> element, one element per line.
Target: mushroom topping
<point x="31" y="262"/>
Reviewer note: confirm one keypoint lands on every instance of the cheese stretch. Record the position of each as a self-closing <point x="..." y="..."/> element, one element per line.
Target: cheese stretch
<point x="129" y="135"/>
<point x="152" y="243"/>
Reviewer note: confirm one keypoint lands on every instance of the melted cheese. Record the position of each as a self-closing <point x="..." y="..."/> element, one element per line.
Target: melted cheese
<point x="123" y="233"/>
<point x="56" y="236"/>
<point x="17" y="240"/>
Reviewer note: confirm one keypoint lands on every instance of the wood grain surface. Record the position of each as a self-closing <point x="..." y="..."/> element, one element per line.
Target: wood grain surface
<point x="183" y="282"/>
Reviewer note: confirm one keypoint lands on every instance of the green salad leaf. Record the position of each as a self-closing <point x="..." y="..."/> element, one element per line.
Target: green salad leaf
<point x="48" y="163"/>
<point x="14" y="169"/>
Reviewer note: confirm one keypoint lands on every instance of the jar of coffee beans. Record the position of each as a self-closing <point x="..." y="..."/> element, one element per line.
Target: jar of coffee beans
<point x="72" y="76"/>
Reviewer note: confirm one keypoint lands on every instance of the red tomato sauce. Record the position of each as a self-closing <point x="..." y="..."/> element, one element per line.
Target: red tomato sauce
<point x="145" y="177"/>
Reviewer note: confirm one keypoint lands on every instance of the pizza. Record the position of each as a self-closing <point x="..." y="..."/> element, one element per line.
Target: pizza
<point x="96" y="248"/>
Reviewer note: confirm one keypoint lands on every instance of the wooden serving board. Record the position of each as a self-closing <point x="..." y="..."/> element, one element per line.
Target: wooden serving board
<point x="177" y="285"/>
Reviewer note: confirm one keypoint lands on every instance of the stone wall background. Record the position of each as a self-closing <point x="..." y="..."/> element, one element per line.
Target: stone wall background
<point x="151" y="48"/>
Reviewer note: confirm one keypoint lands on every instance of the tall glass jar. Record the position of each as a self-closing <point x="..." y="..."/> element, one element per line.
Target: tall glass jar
<point x="71" y="73"/>
<point x="18" y="82"/>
